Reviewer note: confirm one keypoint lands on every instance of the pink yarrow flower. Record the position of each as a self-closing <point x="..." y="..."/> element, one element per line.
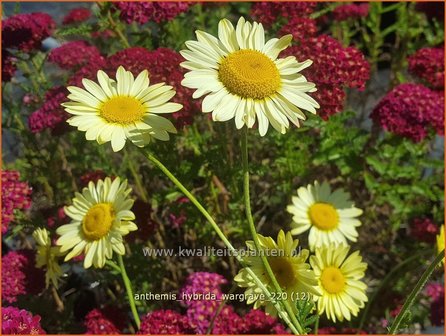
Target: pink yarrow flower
<point x="20" y="276"/>
<point x="409" y="110"/>
<point x="26" y="31"/>
<point x="428" y="65"/>
<point x="143" y="12"/>
<point x="164" y="322"/>
<point x="74" y="54"/>
<point x="51" y="114"/>
<point x="269" y="12"/>
<point x="351" y="11"/>
<point x="19" y="321"/>
<point x="334" y="68"/>
<point x="15" y="196"/>
<point x="76" y="15"/>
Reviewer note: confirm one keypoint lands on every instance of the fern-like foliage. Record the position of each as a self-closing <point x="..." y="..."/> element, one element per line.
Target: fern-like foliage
<point x="304" y="314"/>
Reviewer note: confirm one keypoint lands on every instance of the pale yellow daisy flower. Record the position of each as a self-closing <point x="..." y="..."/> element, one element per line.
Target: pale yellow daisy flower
<point x="289" y="266"/>
<point x="339" y="277"/>
<point x="330" y="216"/>
<point x="47" y="257"/>
<point x="127" y="108"/>
<point x="243" y="78"/>
<point x="100" y="217"/>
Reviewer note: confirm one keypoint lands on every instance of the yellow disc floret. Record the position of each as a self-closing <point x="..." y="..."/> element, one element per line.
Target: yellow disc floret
<point x="324" y="216"/>
<point x="249" y="74"/>
<point x="333" y="280"/>
<point x="98" y="221"/>
<point x="122" y="110"/>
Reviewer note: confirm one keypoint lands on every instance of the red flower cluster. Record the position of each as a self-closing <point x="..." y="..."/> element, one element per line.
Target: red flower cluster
<point x="351" y="11"/>
<point x="163" y="66"/>
<point x="201" y="311"/>
<point x="268" y="12"/>
<point x="409" y="110"/>
<point x="257" y="322"/>
<point x="8" y="66"/>
<point x="228" y="322"/>
<point x="423" y="229"/>
<point x="142" y="12"/>
<point x="51" y="114"/>
<point x="437" y="311"/>
<point x="20" y="322"/>
<point x="97" y="323"/>
<point x="301" y="28"/>
<point x="20" y="276"/>
<point x="164" y="322"/>
<point x="94" y="175"/>
<point x="15" y="196"/>
<point x="55" y="216"/>
<point x="334" y="67"/>
<point x="143" y="220"/>
<point x="435" y="292"/>
<point x="74" y="54"/>
<point x="76" y="15"/>
<point x="428" y="65"/>
<point x="26" y="31"/>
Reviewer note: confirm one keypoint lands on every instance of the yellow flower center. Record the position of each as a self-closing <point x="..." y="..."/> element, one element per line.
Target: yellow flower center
<point x="122" y="110"/>
<point x="333" y="280"/>
<point x="249" y="74"/>
<point x="283" y="270"/>
<point x="324" y="216"/>
<point x="98" y="221"/>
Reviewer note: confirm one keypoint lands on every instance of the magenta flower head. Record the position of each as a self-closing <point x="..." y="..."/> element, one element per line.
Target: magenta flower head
<point x="76" y="15"/>
<point x="15" y="196"/>
<point x="20" y="275"/>
<point x="163" y="322"/>
<point x="351" y="11"/>
<point x="97" y="323"/>
<point x="409" y="110"/>
<point x="74" y="54"/>
<point x="334" y="68"/>
<point x="20" y="322"/>
<point x="269" y="12"/>
<point x="26" y="31"/>
<point x="51" y="114"/>
<point x="143" y="12"/>
<point x="423" y="229"/>
<point x="427" y="64"/>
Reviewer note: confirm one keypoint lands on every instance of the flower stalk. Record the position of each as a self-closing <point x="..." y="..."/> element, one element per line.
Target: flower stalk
<point x="284" y="316"/>
<point x="413" y="295"/>
<point x="252" y="228"/>
<point x="128" y="287"/>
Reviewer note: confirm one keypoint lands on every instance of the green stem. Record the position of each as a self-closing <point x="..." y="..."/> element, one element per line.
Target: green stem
<point x="136" y="176"/>
<point x="219" y="309"/>
<point x="316" y="325"/>
<point x="222" y="236"/>
<point x="384" y="283"/>
<point x="114" y="26"/>
<point x="252" y="228"/>
<point x="113" y="265"/>
<point x="30" y="75"/>
<point x="413" y="295"/>
<point x="128" y="287"/>
<point x="192" y="198"/>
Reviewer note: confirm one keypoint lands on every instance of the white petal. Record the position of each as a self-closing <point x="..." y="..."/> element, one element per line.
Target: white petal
<point x="226" y="34"/>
